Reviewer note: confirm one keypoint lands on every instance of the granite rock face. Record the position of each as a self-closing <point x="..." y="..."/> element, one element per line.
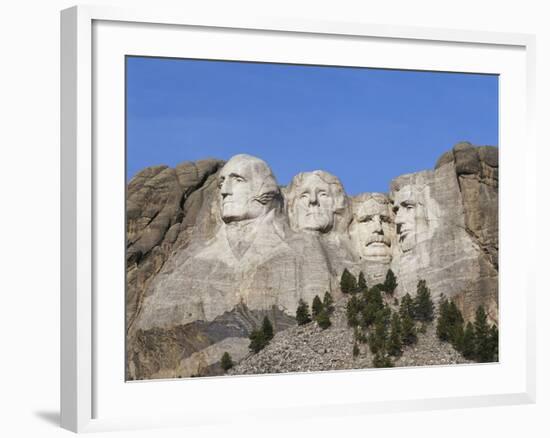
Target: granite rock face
<point x="212" y="248"/>
<point x="161" y="205"/>
<point x="447" y="227"/>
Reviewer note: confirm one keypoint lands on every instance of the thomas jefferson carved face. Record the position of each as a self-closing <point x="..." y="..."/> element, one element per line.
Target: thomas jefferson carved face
<point x="372" y="227"/>
<point x="315" y="198"/>
<point x="410" y="216"/>
<point x="247" y="189"/>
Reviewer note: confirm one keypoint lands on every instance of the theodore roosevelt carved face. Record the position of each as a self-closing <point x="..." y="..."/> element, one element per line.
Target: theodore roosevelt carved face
<point x="247" y="188"/>
<point x="315" y="200"/>
<point x="372" y="229"/>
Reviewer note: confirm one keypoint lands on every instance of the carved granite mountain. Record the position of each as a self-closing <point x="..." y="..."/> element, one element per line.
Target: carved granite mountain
<point x="212" y="248"/>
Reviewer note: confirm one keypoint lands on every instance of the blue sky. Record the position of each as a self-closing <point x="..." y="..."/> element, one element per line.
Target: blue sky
<point x="366" y="126"/>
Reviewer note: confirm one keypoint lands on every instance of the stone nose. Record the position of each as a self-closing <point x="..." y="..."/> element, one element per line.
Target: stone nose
<point x="399" y="217"/>
<point x="378" y="225"/>
<point x="313" y="199"/>
<point x="225" y="188"/>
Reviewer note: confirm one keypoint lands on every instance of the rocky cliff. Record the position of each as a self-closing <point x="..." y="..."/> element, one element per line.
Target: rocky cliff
<point x="213" y="247"/>
<point x="451" y="237"/>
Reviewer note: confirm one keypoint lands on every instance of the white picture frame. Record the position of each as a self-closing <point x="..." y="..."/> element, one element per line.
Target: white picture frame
<point x="92" y="41"/>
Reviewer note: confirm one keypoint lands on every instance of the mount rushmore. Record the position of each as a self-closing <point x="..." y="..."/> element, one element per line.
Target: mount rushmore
<point x="213" y="247"/>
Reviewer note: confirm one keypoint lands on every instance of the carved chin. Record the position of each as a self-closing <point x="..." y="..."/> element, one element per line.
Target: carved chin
<point x="408" y="242"/>
<point x="232" y="212"/>
<point x="314" y="222"/>
<point x="377" y="251"/>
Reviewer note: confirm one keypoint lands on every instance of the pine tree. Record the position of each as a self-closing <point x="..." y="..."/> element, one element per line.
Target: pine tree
<point x="375" y="296"/>
<point x="316" y="307"/>
<point x="379" y="336"/>
<point x="493" y="342"/>
<point x="469" y="342"/>
<point x="455" y="315"/>
<point x="355" y="350"/>
<point x="257" y="341"/>
<point x="443" y="322"/>
<point x="267" y="329"/>
<point x="348" y="284"/>
<point x="457" y="337"/>
<point x="408" y="329"/>
<point x="390" y="282"/>
<point x="394" y="342"/>
<point x="328" y="303"/>
<point x="352" y="311"/>
<point x="361" y="283"/>
<point x="260" y="338"/>
<point x="226" y="362"/>
<point x="406" y="308"/>
<point x="456" y="326"/>
<point x="302" y="313"/>
<point x="484" y="351"/>
<point x="365" y="295"/>
<point x="369" y="314"/>
<point x="323" y="320"/>
<point x="450" y="324"/>
<point x="423" y="304"/>
<point x="372" y="303"/>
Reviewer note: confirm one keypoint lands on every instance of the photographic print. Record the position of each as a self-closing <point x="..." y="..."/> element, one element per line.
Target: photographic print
<point x="289" y="218"/>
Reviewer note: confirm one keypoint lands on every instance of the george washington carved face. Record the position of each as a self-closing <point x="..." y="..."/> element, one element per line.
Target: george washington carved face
<point x="315" y="200"/>
<point x="372" y="228"/>
<point x="247" y="189"/>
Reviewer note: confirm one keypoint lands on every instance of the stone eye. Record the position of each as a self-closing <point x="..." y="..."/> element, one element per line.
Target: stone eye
<point x="368" y="218"/>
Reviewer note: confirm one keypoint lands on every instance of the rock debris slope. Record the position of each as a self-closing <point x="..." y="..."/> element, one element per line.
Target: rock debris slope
<point x="309" y="348"/>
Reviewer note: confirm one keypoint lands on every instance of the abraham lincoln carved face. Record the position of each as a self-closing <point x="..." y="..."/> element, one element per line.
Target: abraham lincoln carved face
<point x="410" y="217"/>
